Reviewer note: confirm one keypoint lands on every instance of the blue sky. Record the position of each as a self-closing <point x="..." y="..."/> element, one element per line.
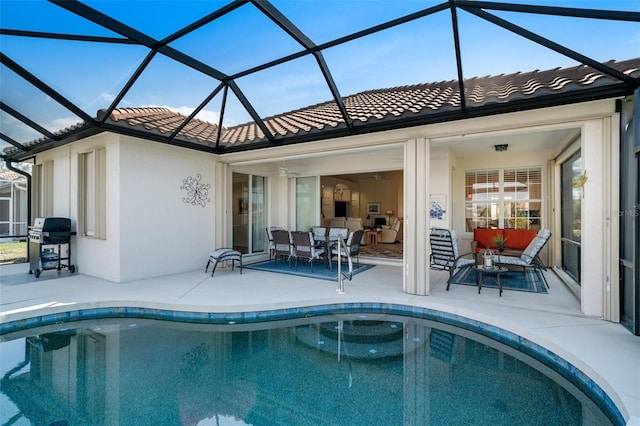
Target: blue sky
<point x="91" y="74"/>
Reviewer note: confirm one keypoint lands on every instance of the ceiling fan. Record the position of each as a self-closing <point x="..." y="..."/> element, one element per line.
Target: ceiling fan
<point x="286" y="172"/>
<point x="377" y="176"/>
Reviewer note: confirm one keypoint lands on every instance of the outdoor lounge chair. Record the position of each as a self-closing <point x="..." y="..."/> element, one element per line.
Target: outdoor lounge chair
<point x="529" y="257"/>
<point x="444" y="252"/>
<point x="224" y="255"/>
<point x="304" y="247"/>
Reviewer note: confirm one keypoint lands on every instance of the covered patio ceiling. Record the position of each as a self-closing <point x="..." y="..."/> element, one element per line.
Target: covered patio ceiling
<point x="69" y="67"/>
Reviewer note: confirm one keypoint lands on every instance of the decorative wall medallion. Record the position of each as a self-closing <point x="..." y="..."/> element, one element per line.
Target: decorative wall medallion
<point x="197" y="193"/>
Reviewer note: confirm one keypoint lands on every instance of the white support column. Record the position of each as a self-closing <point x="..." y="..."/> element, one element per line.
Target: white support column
<point x="594" y="229"/>
<point x="222" y="200"/>
<point x="611" y="291"/>
<point x="417" y="158"/>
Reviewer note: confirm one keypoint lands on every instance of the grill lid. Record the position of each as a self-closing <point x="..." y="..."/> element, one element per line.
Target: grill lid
<point x="52" y="224"/>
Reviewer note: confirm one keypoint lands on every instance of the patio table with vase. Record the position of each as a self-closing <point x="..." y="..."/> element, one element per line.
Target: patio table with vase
<point x="495" y="270"/>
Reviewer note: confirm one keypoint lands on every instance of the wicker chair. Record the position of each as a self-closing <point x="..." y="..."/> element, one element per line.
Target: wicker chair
<point x="352" y="250"/>
<point x="272" y="246"/>
<point x="282" y="247"/>
<point x="304" y="247"/>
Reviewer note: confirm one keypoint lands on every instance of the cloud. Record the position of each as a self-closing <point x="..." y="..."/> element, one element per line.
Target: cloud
<point x="106" y="97"/>
<point x="63" y="123"/>
<point x="209" y="116"/>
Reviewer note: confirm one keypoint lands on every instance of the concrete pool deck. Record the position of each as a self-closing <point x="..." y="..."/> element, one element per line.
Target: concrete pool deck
<point x="607" y="352"/>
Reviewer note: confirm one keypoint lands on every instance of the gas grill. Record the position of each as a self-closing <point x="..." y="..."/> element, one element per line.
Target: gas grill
<point x="50" y="244"/>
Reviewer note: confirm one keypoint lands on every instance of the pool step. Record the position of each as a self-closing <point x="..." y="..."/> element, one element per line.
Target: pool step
<point x="361" y="331"/>
<point x="373" y="340"/>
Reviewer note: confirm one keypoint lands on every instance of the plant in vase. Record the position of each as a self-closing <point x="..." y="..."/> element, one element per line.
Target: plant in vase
<point x="499" y="241"/>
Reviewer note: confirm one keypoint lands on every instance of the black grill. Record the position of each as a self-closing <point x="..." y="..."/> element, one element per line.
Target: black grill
<point x="50" y="244"/>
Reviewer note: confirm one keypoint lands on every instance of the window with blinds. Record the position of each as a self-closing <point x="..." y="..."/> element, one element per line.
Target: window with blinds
<point x="503" y="198"/>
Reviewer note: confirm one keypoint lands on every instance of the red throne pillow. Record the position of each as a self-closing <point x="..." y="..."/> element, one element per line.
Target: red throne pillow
<point x="518" y="239"/>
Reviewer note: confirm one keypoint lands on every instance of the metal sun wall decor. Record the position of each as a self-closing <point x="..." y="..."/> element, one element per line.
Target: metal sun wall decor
<point x="197" y="193"/>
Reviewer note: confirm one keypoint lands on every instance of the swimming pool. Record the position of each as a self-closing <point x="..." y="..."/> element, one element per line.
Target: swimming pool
<point x="350" y="368"/>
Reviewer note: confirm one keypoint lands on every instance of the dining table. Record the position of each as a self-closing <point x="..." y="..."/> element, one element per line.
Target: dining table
<point x="327" y="242"/>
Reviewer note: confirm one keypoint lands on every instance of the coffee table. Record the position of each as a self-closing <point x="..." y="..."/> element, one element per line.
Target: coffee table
<point x="481" y="270"/>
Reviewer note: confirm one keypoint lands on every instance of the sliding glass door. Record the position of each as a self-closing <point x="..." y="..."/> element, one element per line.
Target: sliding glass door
<point x="571" y="216"/>
<point x="249" y="215"/>
<point x="307" y="202"/>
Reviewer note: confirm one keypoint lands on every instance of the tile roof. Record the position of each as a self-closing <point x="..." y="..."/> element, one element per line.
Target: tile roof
<point x="399" y="102"/>
<point x="11" y="175"/>
<point x="398" y="105"/>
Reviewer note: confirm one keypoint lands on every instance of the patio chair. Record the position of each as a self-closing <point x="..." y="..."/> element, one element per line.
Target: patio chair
<point x="352" y="250"/>
<point x="282" y="247"/>
<point x="337" y="232"/>
<point x="304" y="247"/>
<point x="342" y="232"/>
<point x="319" y="231"/>
<point x="529" y="257"/>
<point x="270" y="230"/>
<point x="444" y="253"/>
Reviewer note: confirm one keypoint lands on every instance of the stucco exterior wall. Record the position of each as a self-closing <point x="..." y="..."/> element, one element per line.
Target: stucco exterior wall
<point x="160" y="233"/>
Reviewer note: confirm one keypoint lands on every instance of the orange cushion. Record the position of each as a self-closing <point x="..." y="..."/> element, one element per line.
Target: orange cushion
<point x="485" y="237"/>
<point x="518" y="239"/>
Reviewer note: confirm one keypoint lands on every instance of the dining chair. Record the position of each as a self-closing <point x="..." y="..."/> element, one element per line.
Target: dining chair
<point x="304" y="247"/>
<point x="351" y="250"/>
<point x="339" y="232"/>
<point x="319" y="231"/>
<point x="270" y="230"/>
<point x="282" y="246"/>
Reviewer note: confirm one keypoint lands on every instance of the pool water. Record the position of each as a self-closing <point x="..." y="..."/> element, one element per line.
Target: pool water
<point x="348" y="370"/>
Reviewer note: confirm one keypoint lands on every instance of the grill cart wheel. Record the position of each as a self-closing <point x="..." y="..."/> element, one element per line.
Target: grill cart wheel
<point x="36" y="272"/>
<point x="72" y="268"/>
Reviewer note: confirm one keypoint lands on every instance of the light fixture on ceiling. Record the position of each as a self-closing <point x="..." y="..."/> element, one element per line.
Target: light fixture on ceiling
<point x="285" y="172"/>
<point x="377" y="176"/>
<point x="501" y="148"/>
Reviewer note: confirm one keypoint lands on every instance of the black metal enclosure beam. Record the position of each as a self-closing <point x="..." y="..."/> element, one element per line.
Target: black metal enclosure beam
<point x="204" y="21"/>
<point x="294" y="32"/>
<point x="12" y="65"/>
<point x="131" y="33"/>
<point x="555" y="10"/>
<point x="135" y="35"/>
<point x="26" y="120"/>
<point x="13" y="142"/>
<point x="129" y="84"/>
<point x="197" y="110"/>
<point x="73" y="37"/>
<point x="458" y="53"/>
<point x="131" y="36"/>
<point x="550" y="44"/>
